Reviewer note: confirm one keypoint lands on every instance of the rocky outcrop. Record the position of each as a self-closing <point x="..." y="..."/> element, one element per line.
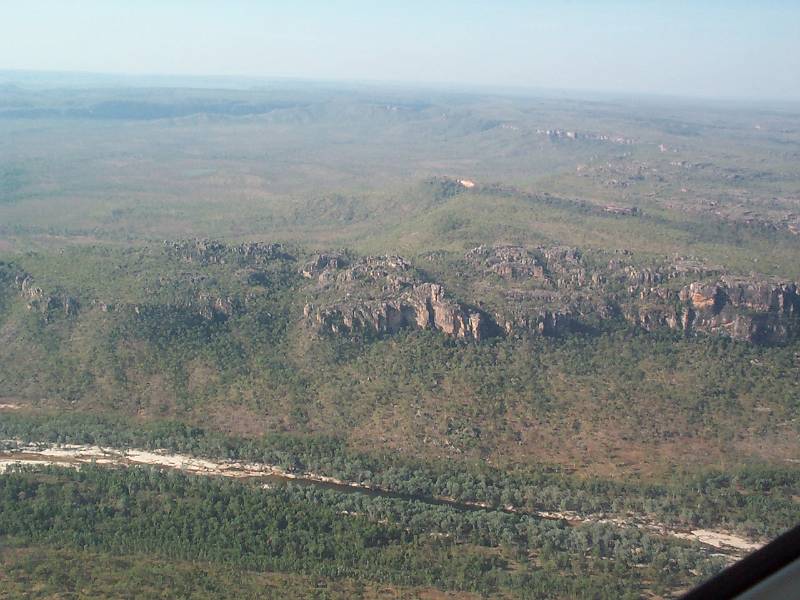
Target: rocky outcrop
<point x="625" y="211"/>
<point x="434" y="310"/>
<point x="210" y="306"/>
<point x="552" y="290"/>
<point x="40" y="301"/>
<point x="565" y="265"/>
<point x="423" y="306"/>
<point x="215" y="308"/>
<point x="321" y="263"/>
<point x="754" y="310"/>
<point x="549" y="291"/>
<point x="515" y="290"/>
<point x="758" y="311"/>
<point x="508" y="262"/>
<point x="382" y="294"/>
<point x="544" y="322"/>
<point x="558" y="134"/>
<point x="207" y="252"/>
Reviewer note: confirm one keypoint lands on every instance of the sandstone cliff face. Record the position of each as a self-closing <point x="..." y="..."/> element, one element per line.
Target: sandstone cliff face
<point x="378" y="295"/>
<point x="753" y="310"/>
<point x="323" y="263"/>
<point x="434" y="311"/>
<point x="552" y="290"/>
<point x="516" y="290"/>
<point x="758" y="311"/>
<point x="544" y="322"/>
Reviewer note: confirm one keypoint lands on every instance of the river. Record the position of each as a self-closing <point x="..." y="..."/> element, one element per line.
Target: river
<point x="72" y="455"/>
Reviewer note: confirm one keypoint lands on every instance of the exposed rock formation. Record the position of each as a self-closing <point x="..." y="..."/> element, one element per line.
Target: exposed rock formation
<point x="215" y="308"/>
<point x="39" y="301"/>
<point x="628" y="211"/>
<point x="754" y="310"/>
<point x="320" y="262"/>
<point x="551" y="290"/>
<point x="563" y="134"/>
<point x="213" y="252"/>
<point x="209" y="307"/>
<point x="509" y="262"/>
<point x="382" y="295"/>
<point x="516" y="290"/>
<point x="759" y="311"/>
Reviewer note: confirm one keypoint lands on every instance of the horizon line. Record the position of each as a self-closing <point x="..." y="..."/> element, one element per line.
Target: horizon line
<point x="452" y="86"/>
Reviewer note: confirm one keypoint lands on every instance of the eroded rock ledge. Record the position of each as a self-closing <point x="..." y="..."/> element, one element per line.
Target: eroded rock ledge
<point x="377" y="295"/>
<point x="501" y="290"/>
<point x="760" y="311"/>
<point x="548" y="291"/>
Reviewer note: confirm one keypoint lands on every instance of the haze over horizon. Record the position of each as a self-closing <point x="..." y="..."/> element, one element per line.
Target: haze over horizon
<point x="731" y="50"/>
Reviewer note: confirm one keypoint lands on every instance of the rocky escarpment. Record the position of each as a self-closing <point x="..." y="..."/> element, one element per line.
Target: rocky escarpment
<point x="754" y="309"/>
<point x="376" y="295"/>
<point x="760" y="311"/>
<point x="509" y="290"/>
<point x="207" y="305"/>
<point x="193" y="292"/>
<point x="198" y="294"/>
<point x="558" y="134"/>
<point x="207" y="252"/>
<point x="551" y="290"/>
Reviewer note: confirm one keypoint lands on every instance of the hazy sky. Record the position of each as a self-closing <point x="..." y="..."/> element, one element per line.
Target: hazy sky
<point x="730" y="48"/>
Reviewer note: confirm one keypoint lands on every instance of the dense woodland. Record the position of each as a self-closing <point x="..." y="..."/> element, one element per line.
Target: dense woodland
<point x="303" y="530"/>
<point x="757" y="501"/>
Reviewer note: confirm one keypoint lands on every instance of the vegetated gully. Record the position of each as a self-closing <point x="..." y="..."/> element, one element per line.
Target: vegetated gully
<point x="70" y="455"/>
